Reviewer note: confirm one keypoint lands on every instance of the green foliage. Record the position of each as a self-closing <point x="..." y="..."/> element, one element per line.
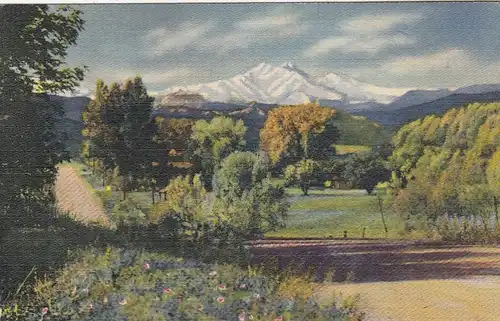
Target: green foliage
<point x="447" y="165"/>
<point x="125" y="284"/>
<point x="213" y="140"/>
<point x="302" y="174"/>
<point x="365" y="170"/>
<point x="186" y="202"/>
<point x="119" y="134"/>
<point x="245" y="196"/>
<point x="35" y="40"/>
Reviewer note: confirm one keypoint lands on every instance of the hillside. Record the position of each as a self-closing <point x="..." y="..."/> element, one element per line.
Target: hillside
<point x="396" y="118"/>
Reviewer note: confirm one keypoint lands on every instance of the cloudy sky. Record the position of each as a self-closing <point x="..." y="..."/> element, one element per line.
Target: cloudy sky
<point x="425" y="45"/>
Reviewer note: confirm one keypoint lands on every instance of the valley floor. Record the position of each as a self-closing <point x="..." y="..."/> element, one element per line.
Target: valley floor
<point x="396" y="280"/>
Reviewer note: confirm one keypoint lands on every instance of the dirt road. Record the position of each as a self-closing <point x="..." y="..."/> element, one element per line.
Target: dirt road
<point x="74" y="196"/>
<point x="403" y="281"/>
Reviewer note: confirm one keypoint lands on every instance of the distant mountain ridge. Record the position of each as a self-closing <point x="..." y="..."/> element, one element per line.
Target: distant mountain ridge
<point x="288" y="84"/>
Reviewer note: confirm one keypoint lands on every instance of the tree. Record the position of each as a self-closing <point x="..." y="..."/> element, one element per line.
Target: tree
<point x="302" y="174"/>
<point x="137" y="148"/>
<point x="35" y="41"/>
<point x="212" y="141"/>
<point x="120" y="133"/>
<point x="288" y="130"/>
<point x="366" y="170"/>
<point x="493" y="176"/>
<point x="245" y="196"/>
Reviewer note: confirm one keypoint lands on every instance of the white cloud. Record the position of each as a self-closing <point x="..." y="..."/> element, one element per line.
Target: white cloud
<point x="445" y="60"/>
<point x="274" y="26"/>
<point x="353" y="44"/>
<point x="378" y="23"/>
<point x="369" y="34"/>
<point x="162" y="40"/>
<point x="450" y="68"/>
<point x="152" y="78"/>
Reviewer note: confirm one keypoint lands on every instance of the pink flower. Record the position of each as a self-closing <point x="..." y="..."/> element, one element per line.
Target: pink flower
<point x="222" y="287"/>
<point x="45" y="310"/>
<point x="280" y="318"/>
<point x="146" y="266"/>
<point x="243" y="286"/>
<point x="220" y="299"/>
<point x="167" y="290"/>
<point x="241" y="316"/>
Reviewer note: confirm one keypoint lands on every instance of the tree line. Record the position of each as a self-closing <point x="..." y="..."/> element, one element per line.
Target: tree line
<point x="449" y="165"/>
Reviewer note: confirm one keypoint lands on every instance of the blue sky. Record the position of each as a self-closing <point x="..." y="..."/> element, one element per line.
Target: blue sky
<point x="425" y="45"/>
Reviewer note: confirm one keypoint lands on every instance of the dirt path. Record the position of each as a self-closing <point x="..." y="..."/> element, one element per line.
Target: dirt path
<point x="74" y="196"/>
<point x="403" y="281"/>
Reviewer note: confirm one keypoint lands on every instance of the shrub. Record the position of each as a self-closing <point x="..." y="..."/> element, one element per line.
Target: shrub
<point x="123" y="284"/>
<point x="245" y="196"/>
<point x="184" y="210"/>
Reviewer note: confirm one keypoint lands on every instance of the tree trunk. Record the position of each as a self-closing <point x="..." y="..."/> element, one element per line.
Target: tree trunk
<point x="379" y="199"/>
<point x="495" y="203"/>
<point x="153" y="189"/>
<point x="124" y="194"/>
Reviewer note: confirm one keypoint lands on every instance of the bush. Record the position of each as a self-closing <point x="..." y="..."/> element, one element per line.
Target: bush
<point x="122" y="284"/>
<point x="245" y="196"/>
<point x="184" y="210"/>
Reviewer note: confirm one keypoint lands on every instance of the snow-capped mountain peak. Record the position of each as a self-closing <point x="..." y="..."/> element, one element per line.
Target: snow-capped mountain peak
<point x="287" y="84"/>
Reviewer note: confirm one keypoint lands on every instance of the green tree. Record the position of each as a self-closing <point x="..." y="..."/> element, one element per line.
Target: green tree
<point x="366" y="170"/>
<point x="137" y="148"/>
<point x="303" y="174"/>
<point x="214" y="140"/>
<point x="245" y="196"/>
<point x="35" y="40"/>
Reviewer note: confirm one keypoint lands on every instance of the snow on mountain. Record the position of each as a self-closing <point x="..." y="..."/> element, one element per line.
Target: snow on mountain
<point x="357" y="92"/>
<point x="287" y="84"/>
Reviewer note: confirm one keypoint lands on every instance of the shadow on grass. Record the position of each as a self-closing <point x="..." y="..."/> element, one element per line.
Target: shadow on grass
<point x="377" y="262"/>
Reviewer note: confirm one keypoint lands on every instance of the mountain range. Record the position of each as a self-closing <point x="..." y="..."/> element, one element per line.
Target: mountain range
<point x="288" y="84"/>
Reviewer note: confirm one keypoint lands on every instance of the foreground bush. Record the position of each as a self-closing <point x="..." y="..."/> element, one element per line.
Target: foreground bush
<point x="129" y="285"/>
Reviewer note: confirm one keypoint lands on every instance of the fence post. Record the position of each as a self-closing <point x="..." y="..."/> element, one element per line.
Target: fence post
<point x="345" y="234"/>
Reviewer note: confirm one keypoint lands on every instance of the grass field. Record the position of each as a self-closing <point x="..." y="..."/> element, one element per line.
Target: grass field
<point x="329" y="212"/>
<point x="348" y="149"/>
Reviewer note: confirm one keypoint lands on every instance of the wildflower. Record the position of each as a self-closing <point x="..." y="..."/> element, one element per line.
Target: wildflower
<point x="213" y="273"/>
<point x="167" y="291"/>
<point x="279" y="318"/>
<point x="105" y="300"/>
<point x="222" y="287"/>
<point x="123" y="302"/>
<point x="220" y="299"/>
<point x="241" y="316"/>
<point x="45" y="310"/>
<point x="243" y="286"/>
<point x="250" y="317"/>
<point x="91" y="306"/>
<point x="256" y="296"/>
<point x="146" y="266"/>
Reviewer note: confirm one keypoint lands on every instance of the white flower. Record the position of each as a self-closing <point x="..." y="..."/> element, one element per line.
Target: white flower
<point x="213" y="273"/>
